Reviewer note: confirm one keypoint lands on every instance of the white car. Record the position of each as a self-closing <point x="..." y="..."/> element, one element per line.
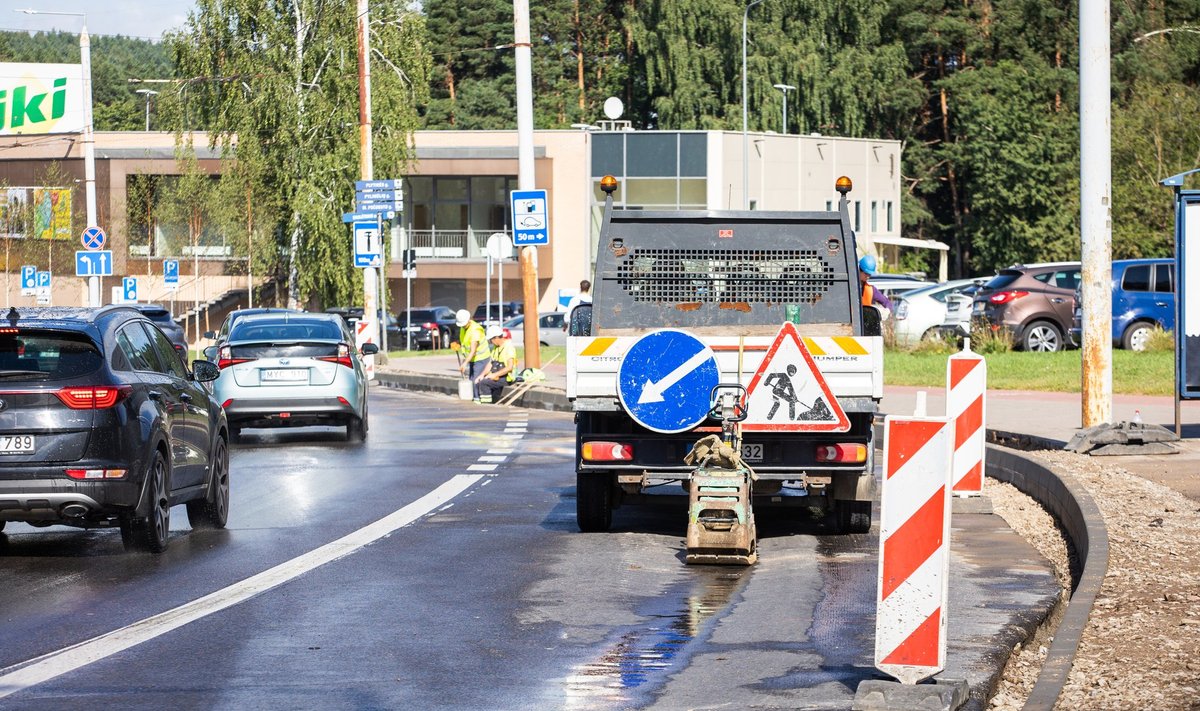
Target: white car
<point x="550" y="329"/>
<point x="921" y="313"/>
<point x="895" y="285"/>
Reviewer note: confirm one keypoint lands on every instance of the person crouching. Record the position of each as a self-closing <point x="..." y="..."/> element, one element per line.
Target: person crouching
<point x="501" y="369"/>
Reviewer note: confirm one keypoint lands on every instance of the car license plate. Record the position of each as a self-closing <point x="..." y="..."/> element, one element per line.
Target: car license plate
<point x="288" y="375"/>
<point x="978" y="307"/>
<point x="752" y="452"/>
<point x="16" y="444"/>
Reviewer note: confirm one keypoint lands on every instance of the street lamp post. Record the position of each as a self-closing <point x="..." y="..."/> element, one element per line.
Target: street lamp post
<point x="89" y="138"/>
<point x="785" y="88"/>
<point x="745" y="119"/>
<point x="150" y="92"/>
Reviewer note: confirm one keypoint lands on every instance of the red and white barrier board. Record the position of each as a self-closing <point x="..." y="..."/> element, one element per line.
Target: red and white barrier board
<point x="966" y="399"/>
<point x="914" y="542"/>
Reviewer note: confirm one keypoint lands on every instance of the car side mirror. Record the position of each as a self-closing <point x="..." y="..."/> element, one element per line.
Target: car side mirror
<point x="210" y="353"/>
<point x="204" y="371"/>
<point x="369" y="349"/>
<point x="872" y="321"/>
<point x="581" y="320"/>
<point x="210" y="335"/>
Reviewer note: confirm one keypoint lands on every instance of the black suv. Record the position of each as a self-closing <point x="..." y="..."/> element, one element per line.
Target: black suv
<point x="161" y="316"/>
<point x="430" y="326"/>
<point x="101" y="424"/>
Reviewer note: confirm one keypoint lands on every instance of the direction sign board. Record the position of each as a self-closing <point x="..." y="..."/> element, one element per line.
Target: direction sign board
<point x="368" y="244"/>
<point x="389" y="207"/>
<point x="365" y="216"/>
<point x="97" y="263"/>
<point x="28" y="279"/>
<point x="665" y="380"/>
<point x="788" y="392"/>
<point x="380" y="195"/>
<point x="171" y="273"/>
<point x="129" y="288"/>
<point x="378" y="185"/>
<point x="531" y="219"/>
<point x="92" y="238"/>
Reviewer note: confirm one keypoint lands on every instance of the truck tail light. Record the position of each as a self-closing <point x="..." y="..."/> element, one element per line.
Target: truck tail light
<point x="842" y="453"/>
<point x="1003" y="297"/>
<point x="225" y="358"/>
<point x="93" y="398"/>
<point x="342" y="357"/>
<point x="607" y="452"/>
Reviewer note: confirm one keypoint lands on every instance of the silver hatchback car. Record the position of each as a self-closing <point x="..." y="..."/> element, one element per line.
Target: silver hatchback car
<point x="293" y="370"/>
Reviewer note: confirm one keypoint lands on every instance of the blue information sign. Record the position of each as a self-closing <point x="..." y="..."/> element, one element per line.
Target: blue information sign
<point x="28" y="277"/>
<point x="171" y="271"/>
<point x="92" y="238"/>
<point x="129" y="288"/>
<point x="43" y="280"/>
<point x="665" y="381"/>
<point x="368" y="244"/>
<point x="363" y="185"/>
<point x="531" y="218"/>
<point x="365" y="216"/>
<point x="98" y="263"/>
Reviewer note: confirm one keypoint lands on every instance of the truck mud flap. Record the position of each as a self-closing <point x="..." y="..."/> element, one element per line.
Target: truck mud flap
<point x="720" y="519"/>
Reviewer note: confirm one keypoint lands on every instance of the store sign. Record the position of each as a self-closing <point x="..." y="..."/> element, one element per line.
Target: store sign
<point x="41" y="98"/>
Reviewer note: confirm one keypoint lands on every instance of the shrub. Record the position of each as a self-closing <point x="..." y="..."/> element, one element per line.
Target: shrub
<point x="985" y="340"/>
<point x="1160" y="340"/>
<point x="941" y="344"/>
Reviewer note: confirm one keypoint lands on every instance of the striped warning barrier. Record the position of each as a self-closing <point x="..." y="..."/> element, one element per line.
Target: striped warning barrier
<point x="966" y="399"/>
<point x="914" y="543"/>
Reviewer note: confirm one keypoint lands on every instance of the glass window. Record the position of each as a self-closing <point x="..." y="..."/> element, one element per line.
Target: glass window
<point x="1044" y="277"/>
<point x="608" y="155"/>
<point x="450" y="216"/>
<point x="489" y="203"/>
<point x="693" y="193"/>
<point x="659" y="193"/>
<point x="652" y="154"/>
<point x="47" y="355"/>
<point x="167" y="355"/>
<point x="829" y="206"/>
<point x="451" y="189"/>
<point x="138" y="349"/>
<point x="1163" y="278"/>
<point x="618" y="194"/>
<point x="889" y="215"/>
<point x="874" y="216"/>
<point x="420" y="189"/>
<point x="1067" y="279"/>
<point x="857" y="215"/>
<point x="1137" y="278"/>
<point x="693" y="155"/>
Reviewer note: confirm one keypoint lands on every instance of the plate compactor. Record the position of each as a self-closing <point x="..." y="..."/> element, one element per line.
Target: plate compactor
<point x="720" y="516"/>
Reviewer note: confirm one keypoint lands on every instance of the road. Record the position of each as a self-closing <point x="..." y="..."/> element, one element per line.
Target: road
<point x="439" y="566"/>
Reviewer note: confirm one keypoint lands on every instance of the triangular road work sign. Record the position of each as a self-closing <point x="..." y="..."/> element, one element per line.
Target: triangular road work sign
<point x="788" y="393"/>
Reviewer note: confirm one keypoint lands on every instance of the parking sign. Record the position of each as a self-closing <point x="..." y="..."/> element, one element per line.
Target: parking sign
<point x="28" y="280"/>
<point x="129" y="288"/>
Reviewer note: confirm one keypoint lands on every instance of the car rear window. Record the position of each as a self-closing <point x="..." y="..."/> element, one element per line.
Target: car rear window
<point x="284" y="350"/>
<point x="1137" y="278"/>
<point x="47" y="355"/>
<point x="420" y="315"/>
<point x="289" y="331"/>
<point x="1002" y="280"/>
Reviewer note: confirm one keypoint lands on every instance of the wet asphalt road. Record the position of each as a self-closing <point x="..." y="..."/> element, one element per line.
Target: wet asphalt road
<point x="492" y="600"/>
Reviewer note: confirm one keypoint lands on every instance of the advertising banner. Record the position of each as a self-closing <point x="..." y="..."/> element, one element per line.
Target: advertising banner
<point x="41" y="98"/>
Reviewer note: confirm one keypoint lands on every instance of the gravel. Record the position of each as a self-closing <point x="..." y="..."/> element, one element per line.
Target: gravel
<point x="1141" y="646"/>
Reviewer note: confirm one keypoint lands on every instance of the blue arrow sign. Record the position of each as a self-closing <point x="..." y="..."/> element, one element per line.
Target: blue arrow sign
<point x="98" y="263"/>
<point x="92" y="238"/>
<point x="28" y="277"/>
<point x="379" y="196"/>
<point x="365" y="216"/>
<point x="43" y="280"/>
<point x="171" y="271"/>
<point x="129" y="288"/>
<point x="531" y="218"/>
<point x="375" y="207"/>
<point x="665" y="381"/>
<point x="377" y="184"/>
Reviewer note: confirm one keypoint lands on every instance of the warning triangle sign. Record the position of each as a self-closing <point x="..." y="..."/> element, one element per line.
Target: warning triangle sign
<point x="788" y="393"/>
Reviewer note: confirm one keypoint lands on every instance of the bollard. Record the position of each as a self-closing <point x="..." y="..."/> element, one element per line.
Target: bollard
<point x="966" y="400"/>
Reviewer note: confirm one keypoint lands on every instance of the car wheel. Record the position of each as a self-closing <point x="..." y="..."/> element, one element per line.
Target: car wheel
<point x="150" y="533"/>
<point x="593" y="502"/>
<point x="851" y="516"/>
<point x="213" y="510"/>
<point x="356" y="428"/>
<point x="1136" y="336"/>
<point x="1042" y="337"/>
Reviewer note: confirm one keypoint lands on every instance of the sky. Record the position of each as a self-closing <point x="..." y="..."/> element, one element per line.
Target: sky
<point x="134" y="18"/>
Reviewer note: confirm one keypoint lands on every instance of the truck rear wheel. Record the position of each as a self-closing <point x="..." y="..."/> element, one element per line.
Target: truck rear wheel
<point x="851" y="516"/>
<point x="593" y="502"/>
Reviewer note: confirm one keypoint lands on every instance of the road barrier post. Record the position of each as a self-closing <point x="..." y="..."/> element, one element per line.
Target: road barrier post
<point x="966" y="400"/>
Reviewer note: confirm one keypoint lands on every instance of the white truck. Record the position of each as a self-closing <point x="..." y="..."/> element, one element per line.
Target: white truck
<point x="738" y="282"/>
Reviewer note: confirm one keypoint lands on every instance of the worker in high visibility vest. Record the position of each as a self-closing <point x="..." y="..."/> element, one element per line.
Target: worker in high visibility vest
<point x="867" y="266"/>
<point x="501" y="369"/>
<point x="474" y="348"/>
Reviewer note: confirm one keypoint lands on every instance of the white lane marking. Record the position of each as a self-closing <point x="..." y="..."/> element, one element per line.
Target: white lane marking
<point x="493" y="459"/>
<point x="501" y="450"/>
<point x="514" y="432"/>
<point x="482" y="467"/>
<point x="48" y="666"/>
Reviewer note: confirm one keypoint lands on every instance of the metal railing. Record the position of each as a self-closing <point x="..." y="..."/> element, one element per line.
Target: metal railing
<point x="451" y="244"/>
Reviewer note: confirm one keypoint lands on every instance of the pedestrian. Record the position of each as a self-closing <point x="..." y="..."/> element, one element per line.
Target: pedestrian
<point x="501" y="369"/>
<point x="583" y="297"/>
<point x="473" y="345"/>
<point x="867" y="266"/>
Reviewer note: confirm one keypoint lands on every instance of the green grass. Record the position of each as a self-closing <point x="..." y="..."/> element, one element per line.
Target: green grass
<point x="1146" y="373"/>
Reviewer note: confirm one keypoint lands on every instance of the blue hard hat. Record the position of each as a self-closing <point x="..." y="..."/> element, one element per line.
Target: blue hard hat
<point x="868" y="264"/>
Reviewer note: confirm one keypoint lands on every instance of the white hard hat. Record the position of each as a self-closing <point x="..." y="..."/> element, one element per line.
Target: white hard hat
<point x="461" y="317"/>
<point x="494" y="331"/>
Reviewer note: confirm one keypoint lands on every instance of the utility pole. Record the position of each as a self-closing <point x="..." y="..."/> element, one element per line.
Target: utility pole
<point x="525" y="173"/>
<point x="370" y="318"/>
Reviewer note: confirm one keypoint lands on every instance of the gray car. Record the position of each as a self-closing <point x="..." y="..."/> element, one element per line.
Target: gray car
<point x="293" y="370"/>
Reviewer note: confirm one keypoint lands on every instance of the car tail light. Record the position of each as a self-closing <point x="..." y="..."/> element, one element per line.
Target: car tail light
<point x="842" y="453"/>
<point x="342" y="357"/>
<point x="93" y="398"/>
<point x="225" y="405"/>
<point x="901" y="309"/>
<point x="96" y="473"/>
<point x="225" y="358"/>
<point x="607" y="452"/>
<point x="428" y="326"/>
<point x="1003" y="297"/>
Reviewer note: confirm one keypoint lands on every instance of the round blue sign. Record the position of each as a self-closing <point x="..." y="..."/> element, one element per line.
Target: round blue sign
<point x="665" y="380"/>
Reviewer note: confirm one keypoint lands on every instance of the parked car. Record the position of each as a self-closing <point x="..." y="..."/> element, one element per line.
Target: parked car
<point x="1143" y="298"/>
<point x="161" y="316"/>
<point x="1032" y="302"/>
<point x="430" y="326"/>
<point x="921" y="313"/>
<point x="353" y="314"/>
<point x="293" y="370"/>
<point x="550" y="329"/>
<point x="104" y="426"/>
<point x="498" y="313"/>
<point x="894" y="285"/>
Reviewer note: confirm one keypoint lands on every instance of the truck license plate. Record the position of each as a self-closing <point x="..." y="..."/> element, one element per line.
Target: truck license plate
<point x="16" y="444"/>
<point x="752" y="452"/>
